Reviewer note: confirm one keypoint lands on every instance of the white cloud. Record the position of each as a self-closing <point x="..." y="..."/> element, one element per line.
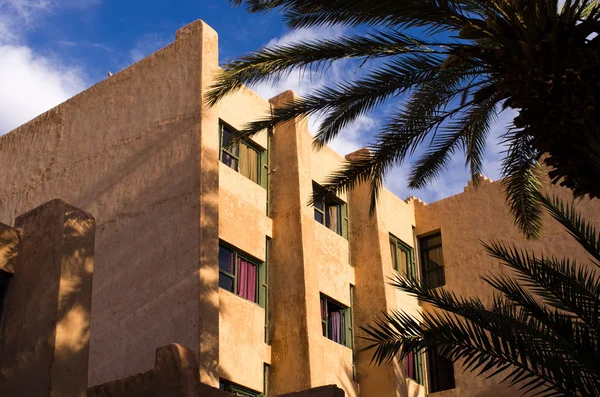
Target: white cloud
<point x="30" y="83"/>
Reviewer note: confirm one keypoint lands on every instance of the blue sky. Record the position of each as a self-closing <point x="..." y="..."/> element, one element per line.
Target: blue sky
<point x="53" y="49"/>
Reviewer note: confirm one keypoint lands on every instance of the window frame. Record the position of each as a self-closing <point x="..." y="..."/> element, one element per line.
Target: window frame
<point x="418" y="364"/>
<point x="433" y="371"/>
<point x="261" y="155"/>
<point x="261" y="269"/>
<point x="5" y="279"/>
<point x="422" y="257"/>
<point x="342" y="229"/>
<point x="347" y="313"/>
<point x="236" y="389"/>
<point x="411" y="269"/>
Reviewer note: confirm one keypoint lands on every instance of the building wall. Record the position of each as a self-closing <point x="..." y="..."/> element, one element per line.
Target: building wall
<point x="481" y="215"/>
<point x="329" y="257"/>
<point x="139" y="151"/>
<point x="127" y="150"/>
<point x="244" y="224"/>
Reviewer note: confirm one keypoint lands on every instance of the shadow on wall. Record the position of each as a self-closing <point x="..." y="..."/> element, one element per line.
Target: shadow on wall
<point x="156" y="277"/>
<point x="45" y="326"/>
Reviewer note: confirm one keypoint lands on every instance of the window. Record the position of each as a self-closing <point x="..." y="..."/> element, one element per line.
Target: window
<point x="336" y="321"/>
<point x="440" y="371"/>
<point x="432" y="260"/>
<point x="402" y="258"/>
<point x="241" y="275"/>
<point x="237" y="389"/>
<point x="266" y="373"/>
<point x="4" y="280"/>
<point x="332" y="212"/>
<point x="413" y="367"/>
<point x="351" y="334"/>
<point x="244" y="157"/>
<point x="264" y="288"/>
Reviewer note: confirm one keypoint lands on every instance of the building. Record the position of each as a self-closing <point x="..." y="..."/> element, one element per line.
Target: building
<point x="216" y="249"/>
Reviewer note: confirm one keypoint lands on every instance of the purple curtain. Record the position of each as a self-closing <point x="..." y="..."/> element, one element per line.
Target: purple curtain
<point x="335" y="325"/>
<point x="409" y="365"/>
<point x="246" y="280"/>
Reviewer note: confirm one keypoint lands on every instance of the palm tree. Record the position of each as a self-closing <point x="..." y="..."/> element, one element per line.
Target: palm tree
<point x="459" y="63"/>
<point x="542" y="328"/>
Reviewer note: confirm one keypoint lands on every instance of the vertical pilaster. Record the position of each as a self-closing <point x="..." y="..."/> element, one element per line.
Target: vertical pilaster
<point x="289" y="273"/>
<point x="209" y="213"/>
<point x="45" y="330"/>
<point x="371" y="299"/>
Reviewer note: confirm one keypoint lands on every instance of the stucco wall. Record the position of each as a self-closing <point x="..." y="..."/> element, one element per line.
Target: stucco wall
<point x="241" y="338"/>
<point x="481" y="214"/>
<point x="289" y="276"/>
<point x="244" y="224"/>
<point x="329" y="259"/>
<point x="128" y="151"/>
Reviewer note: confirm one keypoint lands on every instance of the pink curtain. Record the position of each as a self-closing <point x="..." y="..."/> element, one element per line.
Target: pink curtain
<point x="246" y="280"/>
<point x="409" y="365"/>
<point x="335" y="325"/>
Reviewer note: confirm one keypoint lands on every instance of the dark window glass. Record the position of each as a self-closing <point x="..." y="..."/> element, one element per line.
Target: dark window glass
<point x="226" y="282"/>
<point x="230" y="161"/>
<point x="4" y="280"/>
<point x="331" y="212"/>
<point x="237" y="389"/>
<point x="238" y="274"/>
<point x="319" y="217"/>
<point x="335" y="321"/>
<point x="432" y="260"/>
<point x="402" y="257"/>
<point x="440" y="372"/>
<point x="226" y="259"/>
<point x="242" y="157"/>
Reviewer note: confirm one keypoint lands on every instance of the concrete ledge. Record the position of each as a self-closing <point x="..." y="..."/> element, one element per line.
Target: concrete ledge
<point x="175" y="374"/>
<point x="323" y="391"/>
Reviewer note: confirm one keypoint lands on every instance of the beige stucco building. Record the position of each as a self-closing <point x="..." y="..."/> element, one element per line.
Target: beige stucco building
<point x="216" y="249"/>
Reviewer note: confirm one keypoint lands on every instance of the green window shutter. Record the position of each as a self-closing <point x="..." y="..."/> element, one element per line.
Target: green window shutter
<point x="264" y="168"/>
<point x="262" y="295"/>
<point x="220" y="141"/>
<point x="412" y="265"/>
<point x="349" y="324"/>
<point x="345" y="220"/>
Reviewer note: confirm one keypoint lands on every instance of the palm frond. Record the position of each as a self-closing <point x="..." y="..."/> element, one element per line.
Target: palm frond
<point x="583" y="231"/>
<point x="522" y="184"/>
<point x="562" y="284"/>
<point x="437" y="15"/>
<point x="470" y="131"/>
<point x="271" y="63"/>
<point x="489" y="340"/>
<point x="401" y="135"/>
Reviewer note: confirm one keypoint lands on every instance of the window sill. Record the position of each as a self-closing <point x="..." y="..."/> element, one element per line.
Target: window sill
<point x="332" y="231"/>
<point x="336" y="343"/>
<point x="442" y="392"/>
<point x="240" y="297"/>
